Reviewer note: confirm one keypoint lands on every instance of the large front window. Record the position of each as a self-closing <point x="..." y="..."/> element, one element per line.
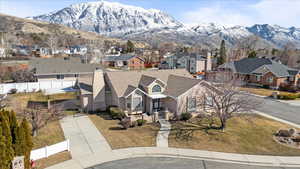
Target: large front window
<point x="156" y="89"/>
<point x="137" y="104"/>
<point x="191" y="104"/>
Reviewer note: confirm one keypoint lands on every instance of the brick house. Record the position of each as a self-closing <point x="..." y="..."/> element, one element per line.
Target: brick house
<point x="128" y="61"/>
<point x="263" y="72"/>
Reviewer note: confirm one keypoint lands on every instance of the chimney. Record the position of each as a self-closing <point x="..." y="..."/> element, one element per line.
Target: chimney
<point x="98" y="91"/>
<point x="208" y="62"/>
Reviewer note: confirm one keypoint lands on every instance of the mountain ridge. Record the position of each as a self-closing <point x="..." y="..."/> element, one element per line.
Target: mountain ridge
<point x="131" y="22"/>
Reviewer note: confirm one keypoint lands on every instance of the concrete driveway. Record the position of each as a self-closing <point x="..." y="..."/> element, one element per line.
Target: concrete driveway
<point x="279" y="109"/>
<point x="173" y="163"/>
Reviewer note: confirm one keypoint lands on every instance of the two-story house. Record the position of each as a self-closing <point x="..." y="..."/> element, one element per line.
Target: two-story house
<point x="191" y="62"/>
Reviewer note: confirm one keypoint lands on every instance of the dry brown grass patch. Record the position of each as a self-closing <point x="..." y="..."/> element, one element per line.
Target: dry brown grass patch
<point x="117" y="137"/>
<point x="246" y="134"/>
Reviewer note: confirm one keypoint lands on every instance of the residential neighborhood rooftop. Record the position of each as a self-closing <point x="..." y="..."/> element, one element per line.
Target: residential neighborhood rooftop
<point x="61" y="66"/>
<point x="249" y="65"/>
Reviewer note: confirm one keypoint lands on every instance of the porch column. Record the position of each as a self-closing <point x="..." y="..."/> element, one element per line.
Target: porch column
<point x="150" y="107"/>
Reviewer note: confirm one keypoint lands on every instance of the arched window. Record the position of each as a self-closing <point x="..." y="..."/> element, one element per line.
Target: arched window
<point x="156" y="89"/>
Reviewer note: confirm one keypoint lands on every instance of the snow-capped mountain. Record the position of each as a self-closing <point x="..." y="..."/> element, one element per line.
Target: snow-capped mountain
<point x="109" y="18"/>
<point x="130" y="22"/>
<point x="277" y="34"/>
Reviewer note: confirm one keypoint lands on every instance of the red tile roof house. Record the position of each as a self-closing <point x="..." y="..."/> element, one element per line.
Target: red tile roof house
<point x="143" y="92"/>
<point x="127" y="61"/>
<point x="263" y="72"/>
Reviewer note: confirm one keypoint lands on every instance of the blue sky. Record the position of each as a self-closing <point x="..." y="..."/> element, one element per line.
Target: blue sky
<point x="226" y="12"/>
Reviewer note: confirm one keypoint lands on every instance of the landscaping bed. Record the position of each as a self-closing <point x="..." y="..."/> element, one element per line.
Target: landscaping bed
<point x="117" y="137"/>
<point x="246" y="134"/>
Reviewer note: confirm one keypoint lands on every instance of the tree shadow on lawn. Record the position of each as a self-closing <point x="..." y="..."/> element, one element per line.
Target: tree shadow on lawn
<point x="116" y="128"/>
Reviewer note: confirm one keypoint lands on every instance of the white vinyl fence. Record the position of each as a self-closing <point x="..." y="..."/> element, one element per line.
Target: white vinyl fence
<point x="50" y="150"/>
<point x="36" y="86"/>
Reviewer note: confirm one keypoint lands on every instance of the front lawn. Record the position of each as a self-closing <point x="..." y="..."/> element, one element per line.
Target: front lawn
<point x="52" y="133"/>
<point x="117" y="137"/>
<point x="52" y="160"/>
<point x="246" y="134"/>
<point x="262" y="91"/>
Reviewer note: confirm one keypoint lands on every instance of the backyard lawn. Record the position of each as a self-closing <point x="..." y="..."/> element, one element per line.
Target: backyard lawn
<point x="19" y="101"/>
<point x="246" y="134"/>
<point x="117" y="137"/>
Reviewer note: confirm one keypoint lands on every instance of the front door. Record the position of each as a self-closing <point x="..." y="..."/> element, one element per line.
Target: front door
<point x="156" y="105"/>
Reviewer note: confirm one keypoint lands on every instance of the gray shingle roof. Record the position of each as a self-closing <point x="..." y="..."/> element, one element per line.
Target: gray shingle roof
<point x="146" y="80"/>
<point x="124" y="57"/>
<point x="61" y="66"/>
<point x="249" y="65"/>
<point x="178" y="85"/>
<point x="129" y="90"/>
<point x="120" y="80"/>
<point x="86" y="84"/>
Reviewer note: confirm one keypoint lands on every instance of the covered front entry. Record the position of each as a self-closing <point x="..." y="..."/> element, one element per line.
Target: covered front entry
<point x="156" y="103"/>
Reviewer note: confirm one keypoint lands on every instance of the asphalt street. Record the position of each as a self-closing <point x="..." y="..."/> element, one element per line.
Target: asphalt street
<point x="278" y="109"/>
<point x="173" y="163"/>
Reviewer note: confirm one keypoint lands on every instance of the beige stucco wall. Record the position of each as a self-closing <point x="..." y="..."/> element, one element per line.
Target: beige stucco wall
<point x="171" y="105"/>
<point x="194" y="92"/>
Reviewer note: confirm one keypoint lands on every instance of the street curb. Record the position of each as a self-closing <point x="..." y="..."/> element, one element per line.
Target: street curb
<point x="277" y="119"/>
<point x="271" y="161"/>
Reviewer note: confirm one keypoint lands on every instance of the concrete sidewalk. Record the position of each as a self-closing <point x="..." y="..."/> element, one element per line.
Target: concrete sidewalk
<point x="85" y="139"/>
<point x="162" y="139"/>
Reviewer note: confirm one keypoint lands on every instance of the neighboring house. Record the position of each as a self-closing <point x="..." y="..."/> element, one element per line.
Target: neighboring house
<point x="127" y="61"/>
<point x="142" y="92"/>
<point x="61" y="68"/>
<point x="78" y="50"/>
<point x="191" y="62"/>
<point x="263" y="72"/>
<point x="42" y="52"/>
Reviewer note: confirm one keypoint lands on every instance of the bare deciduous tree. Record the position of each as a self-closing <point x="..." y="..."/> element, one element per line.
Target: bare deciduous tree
<point x="225" y="100"/>
<point x="52" y="42"/>
<point x="40" y="117"/>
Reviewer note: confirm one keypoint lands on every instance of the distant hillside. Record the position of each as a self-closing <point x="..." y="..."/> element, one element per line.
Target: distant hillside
<point x="31" y="32"/>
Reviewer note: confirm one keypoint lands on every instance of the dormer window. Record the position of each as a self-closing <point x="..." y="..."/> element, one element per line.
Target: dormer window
<point x="156" y="89"/>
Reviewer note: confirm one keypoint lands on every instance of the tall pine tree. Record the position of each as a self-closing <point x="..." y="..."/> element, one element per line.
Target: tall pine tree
<point x="2" y="149"/>
<point x="6" y="133"/>
<point x="222" y="58"/>
<point x="13" y="128"/>
<point x="27" y="143"/>
<point x="130" y="47"/>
